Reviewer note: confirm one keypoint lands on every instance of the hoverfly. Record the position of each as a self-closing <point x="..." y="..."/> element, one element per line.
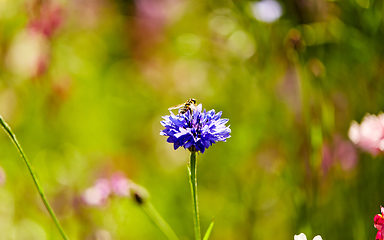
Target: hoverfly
<point x="189" y="105"/>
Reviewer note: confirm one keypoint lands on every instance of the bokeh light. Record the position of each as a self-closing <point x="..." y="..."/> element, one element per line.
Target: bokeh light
<point x="84" y="83"/>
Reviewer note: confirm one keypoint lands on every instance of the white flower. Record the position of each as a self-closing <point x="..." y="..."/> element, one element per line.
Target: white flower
<point x="267" y="10"/>
<point x="302" y="236"/>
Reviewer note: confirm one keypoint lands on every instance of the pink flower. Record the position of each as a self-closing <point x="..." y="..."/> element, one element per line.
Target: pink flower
<point x="369" y="135"/>
<point x="346" y="153"/>
<point x="124" y="187"/>
<point x="378" y="224"/>
<point x="340" y="152"/>
<point x="98" y="194"/>
<point x="48" y="19"/>
<point x="327" y="157"/>
<point x="120" y="184"/>
<point x="3" y="176"/>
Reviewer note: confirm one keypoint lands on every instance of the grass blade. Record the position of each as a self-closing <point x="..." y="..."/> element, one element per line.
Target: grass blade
<point x="209" y="230"/>
<point x="34" y="176"/>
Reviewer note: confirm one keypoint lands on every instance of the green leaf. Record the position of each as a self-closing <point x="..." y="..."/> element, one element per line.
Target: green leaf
<point x="209" y="230"/>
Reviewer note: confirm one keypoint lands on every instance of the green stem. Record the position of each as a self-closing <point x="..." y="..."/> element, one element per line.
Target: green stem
<point x="156" y="218"/>
<point x="34" y="176"/>
<point x="193" y="183"/>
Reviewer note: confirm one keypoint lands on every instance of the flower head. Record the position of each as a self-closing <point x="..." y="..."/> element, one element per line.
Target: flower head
<point x="378" y="224"/>
<point x="117" y="185"/>
<point x="98" y="194"/>
<point x="267" y="10"/>
<point x="195" y="130"/>
<point x="302" y="236"/>
<point x="369" y="135"/>
<point x="120" y="184"/>
<point x="48" y="20"/>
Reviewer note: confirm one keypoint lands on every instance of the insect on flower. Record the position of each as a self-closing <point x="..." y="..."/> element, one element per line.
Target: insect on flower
<point x="195" y="130"/>
<point x="189" y="105"/>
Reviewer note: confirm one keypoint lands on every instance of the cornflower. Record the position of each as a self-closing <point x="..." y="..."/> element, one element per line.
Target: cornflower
<point x="195" y="130"/>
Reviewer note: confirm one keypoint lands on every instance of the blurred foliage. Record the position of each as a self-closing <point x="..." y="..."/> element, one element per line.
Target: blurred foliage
<point x="84" y="83"/>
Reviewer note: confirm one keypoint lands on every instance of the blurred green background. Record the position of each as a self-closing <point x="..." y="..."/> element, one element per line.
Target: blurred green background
<point x="84" y="83"/>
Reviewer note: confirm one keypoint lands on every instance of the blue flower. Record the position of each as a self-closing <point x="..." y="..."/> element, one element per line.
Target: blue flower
<point x="195" y="131"/>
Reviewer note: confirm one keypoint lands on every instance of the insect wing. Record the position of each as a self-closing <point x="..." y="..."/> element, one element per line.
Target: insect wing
<point x="193" y="106"/>
<point x="176" y="107"/>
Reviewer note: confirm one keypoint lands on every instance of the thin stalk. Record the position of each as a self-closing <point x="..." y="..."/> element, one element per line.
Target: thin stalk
<point x="34" y="176"/>
<point x="156" y="218"/>
<point x="193" y="183"/>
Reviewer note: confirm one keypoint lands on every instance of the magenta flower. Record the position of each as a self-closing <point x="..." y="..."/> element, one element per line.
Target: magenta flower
<point x="369" y="135"/>
<point x="378" y="224"/>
